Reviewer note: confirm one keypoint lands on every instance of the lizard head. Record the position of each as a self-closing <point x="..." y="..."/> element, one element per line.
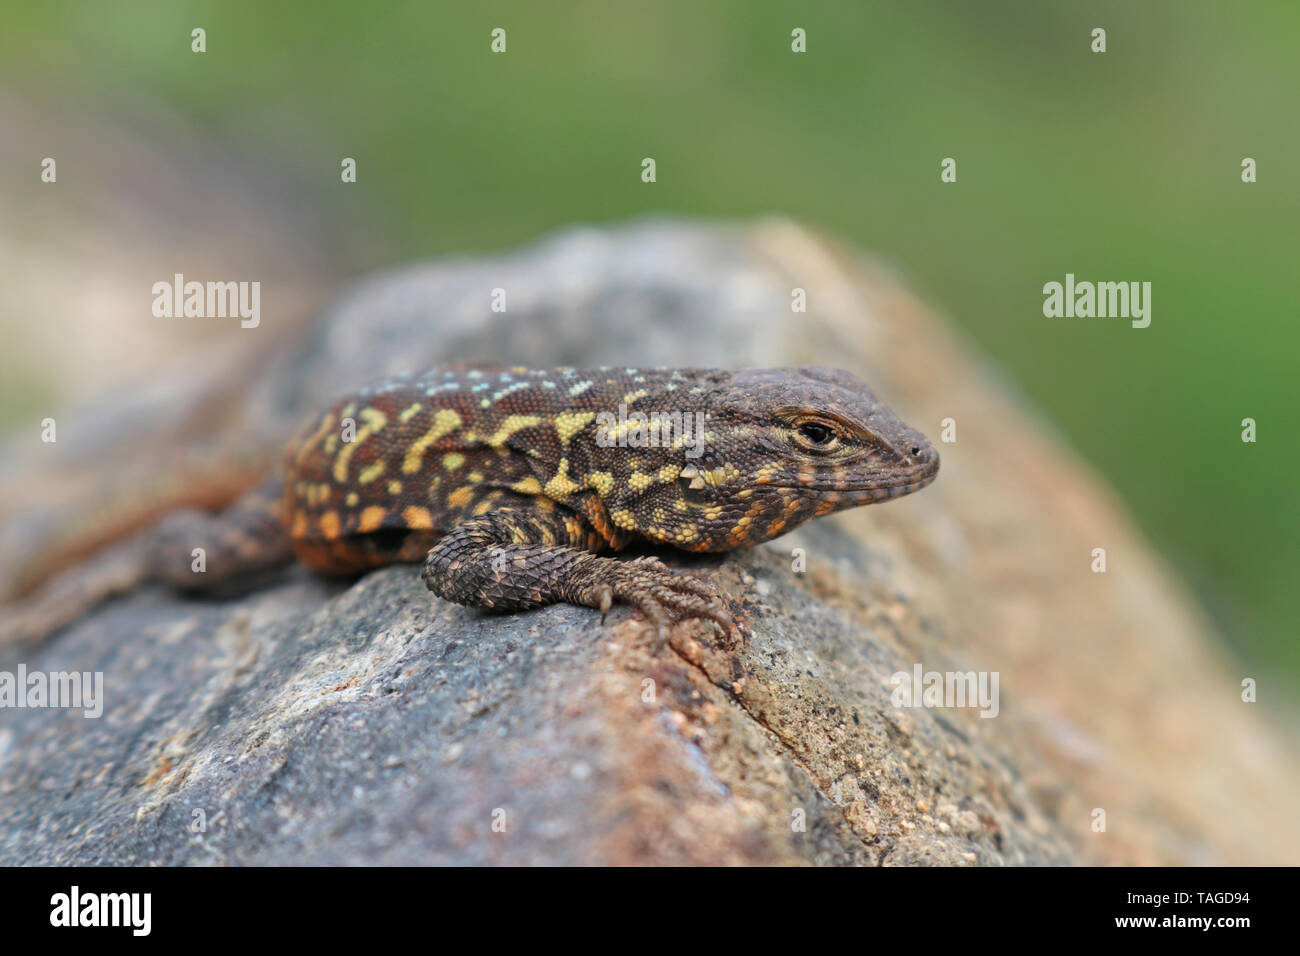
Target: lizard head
<point x="778" y="447"/>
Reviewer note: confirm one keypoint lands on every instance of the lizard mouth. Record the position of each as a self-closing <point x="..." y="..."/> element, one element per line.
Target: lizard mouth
<point x="925" y="468"/>
<point x="879" y="490"/>
<point x="896" y="489"/>
<point x="696" y="491"/>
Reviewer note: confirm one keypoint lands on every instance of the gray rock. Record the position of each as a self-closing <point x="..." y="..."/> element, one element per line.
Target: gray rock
<point x="323" y="722"/>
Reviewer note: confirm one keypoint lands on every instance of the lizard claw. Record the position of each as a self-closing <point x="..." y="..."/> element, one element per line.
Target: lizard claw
<point x="606" y="601"/>
<point x="662" y="595"/>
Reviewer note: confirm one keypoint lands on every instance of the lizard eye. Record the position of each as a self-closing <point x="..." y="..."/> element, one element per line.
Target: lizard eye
<point x="817" y="433"/>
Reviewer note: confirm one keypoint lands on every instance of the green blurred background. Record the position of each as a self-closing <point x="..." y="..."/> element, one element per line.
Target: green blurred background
<point x="1121" y="166"/>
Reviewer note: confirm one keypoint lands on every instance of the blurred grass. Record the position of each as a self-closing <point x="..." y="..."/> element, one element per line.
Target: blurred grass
<point x="1117" y="166"/>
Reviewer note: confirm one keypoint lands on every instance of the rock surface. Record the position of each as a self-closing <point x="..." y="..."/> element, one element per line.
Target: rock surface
<point x="321" y="722"/>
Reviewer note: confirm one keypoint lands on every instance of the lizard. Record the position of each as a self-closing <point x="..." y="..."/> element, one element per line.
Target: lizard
<point x="514" y="487"/>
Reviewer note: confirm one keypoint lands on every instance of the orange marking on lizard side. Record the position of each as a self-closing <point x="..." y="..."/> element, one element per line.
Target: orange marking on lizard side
<point x="371" y="519"/>
<point x="329" y="524"/>
<point x="417" y="517"/>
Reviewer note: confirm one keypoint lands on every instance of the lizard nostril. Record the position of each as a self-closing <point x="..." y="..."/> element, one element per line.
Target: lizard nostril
<point x="915" y="452"/>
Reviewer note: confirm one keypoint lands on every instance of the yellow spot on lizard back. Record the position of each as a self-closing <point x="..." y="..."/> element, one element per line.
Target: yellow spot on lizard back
<point x="409" y="412"/>
<point x="461" y="497"/>
<point x="371" y="472"/>
<point x="374" y="420"/>
<point x="568" y="424"/>
<point x="512" y="424"/>
<point x="527" y="486"/>
<point x="561" y="485"/>
<point x="602" y="481"/>
<point x="445" y="421"/>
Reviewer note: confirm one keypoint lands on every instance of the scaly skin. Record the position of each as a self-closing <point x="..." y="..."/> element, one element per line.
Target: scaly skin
<point x="508" y="484"/>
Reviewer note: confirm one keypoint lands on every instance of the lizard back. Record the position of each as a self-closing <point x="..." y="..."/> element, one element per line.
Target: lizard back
<point x="699" y="459"/>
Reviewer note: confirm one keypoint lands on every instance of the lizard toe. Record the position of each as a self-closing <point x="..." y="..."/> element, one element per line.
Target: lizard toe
<point x="604" y="601"/>
<point x="655" y="612"/>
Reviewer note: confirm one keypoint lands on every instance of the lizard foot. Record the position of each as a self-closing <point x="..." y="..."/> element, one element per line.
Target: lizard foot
<point x="664" y="596"/>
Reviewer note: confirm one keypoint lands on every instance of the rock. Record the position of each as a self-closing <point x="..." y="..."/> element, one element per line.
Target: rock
<point x="319" y="722"/>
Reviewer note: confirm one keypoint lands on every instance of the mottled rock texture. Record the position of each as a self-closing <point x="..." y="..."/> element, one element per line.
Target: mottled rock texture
<point x="327" y="722"/>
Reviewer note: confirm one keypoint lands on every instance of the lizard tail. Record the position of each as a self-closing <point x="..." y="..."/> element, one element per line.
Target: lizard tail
<point x="189" y="550"/>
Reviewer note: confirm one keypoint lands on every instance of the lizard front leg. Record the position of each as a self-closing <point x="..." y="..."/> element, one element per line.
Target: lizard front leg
<point x="513" y="559"/>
